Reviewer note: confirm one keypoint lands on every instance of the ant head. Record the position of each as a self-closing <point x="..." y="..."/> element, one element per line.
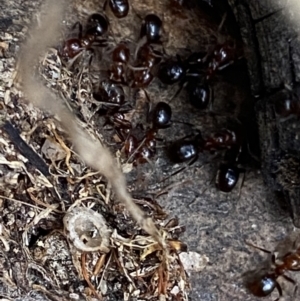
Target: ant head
<point x="97" y="25"/>
<point x="151" y="28"/>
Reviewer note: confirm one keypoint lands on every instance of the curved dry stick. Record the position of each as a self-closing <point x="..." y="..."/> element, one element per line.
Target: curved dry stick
<point x="92" y="152"/>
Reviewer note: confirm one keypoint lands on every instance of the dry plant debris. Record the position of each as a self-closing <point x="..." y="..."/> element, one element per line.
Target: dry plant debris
<point x="102" y="253"/>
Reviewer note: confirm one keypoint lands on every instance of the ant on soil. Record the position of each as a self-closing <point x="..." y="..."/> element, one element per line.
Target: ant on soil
<point x="187" y="150"/>
<point x="229" y="172"/>
<point x="286" y="257"/>
<point x="189" y="74"/>
<point x="136" y="75"/>
<point x="197" y="71"/>
<point x="141" y="151"/>
<point x="96" y="26"/>
<point x="146" y="56"/>
<point x="109" y="93"/>
<point x="222" y="56"/>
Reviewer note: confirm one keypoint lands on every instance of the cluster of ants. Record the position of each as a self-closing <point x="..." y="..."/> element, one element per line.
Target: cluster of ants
<point x="137" y="70"/>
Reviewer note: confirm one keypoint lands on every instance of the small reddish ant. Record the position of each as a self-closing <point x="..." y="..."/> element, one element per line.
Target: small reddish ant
<point x="188" y="73"/>
<point x="224" y="139"/>
<point x="188" y="149"/>
<point x="141" y="151"/>
<point x="222" y="56"/>
<point x="121" y="71"/>
<point x="96" y="26"/>
<point x="146" y="56"/>
<point x="286" y="257"/>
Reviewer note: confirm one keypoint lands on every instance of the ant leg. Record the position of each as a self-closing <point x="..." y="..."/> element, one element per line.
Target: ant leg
<point x="211" y="102"/>
<point x="251" y="153"/>
<point x="100" y="43"/>
<point x="222" y="22"/>
<point x="259" y="248"/>
<point x="243" y="180"/>
<point x="136" y="151"/>
<point x="92" y="52"/>
<point x="137" y="68"/>
<point x="181" y="86"/>
<point x="70" y="63"/>
<point x="188" y="164"/>
<point x="139" y="45"/>
<point x="185" y="123"/>
<point x="279" y="291"/>
<point x="207" y="186"/>
<point x="105" y="5"/>
<point x="150" y="105"/>
<point x="79" y="29"/>
<point x="290" y="280"/>
<point x="267" y="16"/>
<point x="295" y="291"/>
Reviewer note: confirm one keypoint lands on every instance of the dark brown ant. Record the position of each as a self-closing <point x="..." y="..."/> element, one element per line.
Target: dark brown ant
<point x="120" y="122"/>
<point x="148" y="147"/>
<point x="119" y="8"/>
<point x="139" y="74"/>
<point x="116" y="117"/>
<point x="109" y="93"/>
<point x="130" y="145"/>
<point x="227" y="177"/>
<point x="148" y="57"/>
<point x="188" y="149"/>
<point x="221" y="57"/>
<point x="229" y="172"/>
<point x="122" y="71"/>
<point x="262" y="282"/>
<point x="147" y="60"/>
<point x="224" y="139"/>
<point x="120" y="58"/>
<point x="140" y="78"/>
<point x="188" y="73"/>
<point x="141" y="151"/>
<point x="96" y="26"/>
